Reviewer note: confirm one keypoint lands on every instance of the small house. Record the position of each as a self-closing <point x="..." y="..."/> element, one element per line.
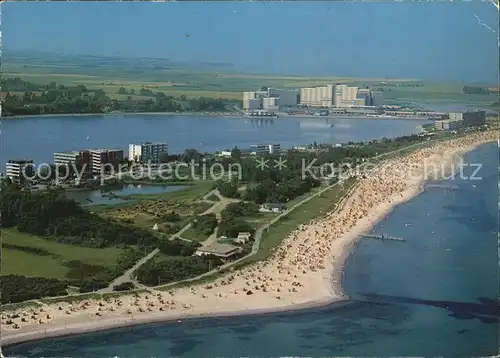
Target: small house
<point x="243" y="238"/>
<point x="272" y="208"/>
<point x="225" y="252"/>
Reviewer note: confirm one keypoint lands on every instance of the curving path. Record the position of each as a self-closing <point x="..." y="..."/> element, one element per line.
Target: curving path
<point x="216" y="208"/>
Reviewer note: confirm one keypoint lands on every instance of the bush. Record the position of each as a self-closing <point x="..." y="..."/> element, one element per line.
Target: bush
<point x="17" y="288"/>
<point x="205" y="224"/>
<point x="232" y="226"/>
<point x="153" y="273"/>
<point x="177" y="247"/>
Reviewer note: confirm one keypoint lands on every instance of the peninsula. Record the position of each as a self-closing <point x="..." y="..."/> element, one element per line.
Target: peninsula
<point x="305" y="270"/>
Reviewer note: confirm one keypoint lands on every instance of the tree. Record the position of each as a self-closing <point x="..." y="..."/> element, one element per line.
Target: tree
<point x="236" y="154"/>
<point x="122" y="90"/>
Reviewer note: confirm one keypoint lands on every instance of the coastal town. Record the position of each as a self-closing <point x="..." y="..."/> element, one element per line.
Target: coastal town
<point x="225" y="230"/>
<point x="298" y="273"/>
<point x="253" y="179"/>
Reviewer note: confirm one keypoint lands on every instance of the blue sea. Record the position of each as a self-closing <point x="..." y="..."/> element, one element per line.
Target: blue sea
<point x="436" y="294"/>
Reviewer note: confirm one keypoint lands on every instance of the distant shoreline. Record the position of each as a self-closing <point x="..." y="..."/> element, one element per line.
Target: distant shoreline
<point x="202" y="114"/>
<point x="187" y="114"/>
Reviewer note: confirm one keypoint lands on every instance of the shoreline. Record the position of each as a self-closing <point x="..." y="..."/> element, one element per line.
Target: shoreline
<point x="147" y="318"/>
<point x="111" y="114"/>
<point x="327" y="286"/>
<point x="201" y="114"/>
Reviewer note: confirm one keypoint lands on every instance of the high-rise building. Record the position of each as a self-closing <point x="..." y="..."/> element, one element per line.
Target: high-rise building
<point x="365" y="96"/>
<point x="322" y="96"/>
<point x="377" y="99"/>
<point x="346" y="96"/>
<point x="287" y="98"/>
<point x="82" y="160"/>
<point x="247" y="97"/>
<point x="20" y="171"/>
<point x="147" y="152"/>
<point x="469" y="118"/>
<point x="105" y="160"/>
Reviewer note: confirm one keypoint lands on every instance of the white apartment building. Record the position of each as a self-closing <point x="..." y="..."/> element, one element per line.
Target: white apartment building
<point x="247" y="97"/>
<point x="257" y="149"/>
<point x="104" y="159"/>
<point x="20" y="170"/>
<point x="322" y="96"/>
<point x="147" y="152"/>
<point x="64" y="158"/>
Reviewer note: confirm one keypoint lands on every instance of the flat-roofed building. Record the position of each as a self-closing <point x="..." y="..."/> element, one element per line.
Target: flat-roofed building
<point x="243" y="238"/>
<point x="253" y="104"/>
<point x="270" y="103"/>
<point x="105" y="160"/>
<point x="20" y="170"/>
<point x="225" y="252"/>
<point x="65" y="158"/>
<point x="448" y="124"/>
<point x="288" y="98"/>
<point x="471" y="118"/>
<point x="347" y="96"/>
<point x="377" y="99"/>
<point x="322" y="96"/>
<point x="259" y="149"/>
<point x="148" y="152"/>
<point x="79" y="160"/>
<point x="253" y="100"/>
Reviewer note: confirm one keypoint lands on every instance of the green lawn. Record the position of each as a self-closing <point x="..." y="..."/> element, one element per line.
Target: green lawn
<point x="51" y="263"/>
<point x="193" y="235"/>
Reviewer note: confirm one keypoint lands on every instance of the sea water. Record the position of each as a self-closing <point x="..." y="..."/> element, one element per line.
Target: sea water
<point x="434" y="294"/>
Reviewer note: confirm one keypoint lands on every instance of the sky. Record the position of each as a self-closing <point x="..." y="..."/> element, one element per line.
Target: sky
<point x="427" y="40"/>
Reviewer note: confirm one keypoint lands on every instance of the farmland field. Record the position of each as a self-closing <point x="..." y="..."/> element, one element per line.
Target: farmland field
<point x="211" y="80"/>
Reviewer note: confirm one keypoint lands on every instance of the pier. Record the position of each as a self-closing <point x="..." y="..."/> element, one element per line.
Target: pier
<point x="383" y="237"/>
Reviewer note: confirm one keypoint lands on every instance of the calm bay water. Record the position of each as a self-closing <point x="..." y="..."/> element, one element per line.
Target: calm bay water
<point x="435" y="294"/>
<point x="42" y="136"/>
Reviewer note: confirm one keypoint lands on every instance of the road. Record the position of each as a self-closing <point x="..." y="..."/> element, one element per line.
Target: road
<point x="217" y="207"/>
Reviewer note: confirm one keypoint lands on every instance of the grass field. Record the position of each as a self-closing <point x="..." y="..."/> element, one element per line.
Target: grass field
<point x="50" y="264"/>
<point x="109" y="74"/>
<point x="193" y="235"/>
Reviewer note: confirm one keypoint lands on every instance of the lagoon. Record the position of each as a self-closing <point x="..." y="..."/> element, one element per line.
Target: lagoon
<point x="95" y="197"/>
<point x="42" y="136"/>
<point x="434" y="295"/>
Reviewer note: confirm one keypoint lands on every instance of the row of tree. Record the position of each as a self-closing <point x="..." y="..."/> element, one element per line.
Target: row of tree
<point x="52" y="215"/>
<point x="26" y="98"/>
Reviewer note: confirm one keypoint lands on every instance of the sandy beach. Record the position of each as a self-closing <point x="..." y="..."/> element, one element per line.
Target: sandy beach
<point x="304" y="271"/>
